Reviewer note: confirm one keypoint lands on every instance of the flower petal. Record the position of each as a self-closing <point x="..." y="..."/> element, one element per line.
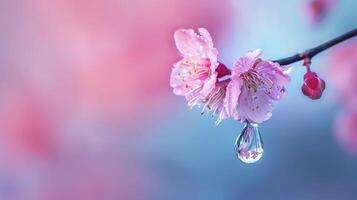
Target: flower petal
<point x="186" y="42"/>
<point x="196" y="46"/>
<point x="209" y="85"/>
<point x="254" y="106"/>
<point x="206" y="36"/>
<point x="246" y="62"/>
<point x="274" y="77"/>
<point x="231" y="99"/>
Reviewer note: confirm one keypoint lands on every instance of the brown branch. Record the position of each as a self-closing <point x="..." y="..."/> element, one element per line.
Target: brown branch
<point x="308" y="54"/>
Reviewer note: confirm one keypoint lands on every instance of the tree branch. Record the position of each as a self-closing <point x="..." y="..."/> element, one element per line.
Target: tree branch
<point x="308" y="54"/>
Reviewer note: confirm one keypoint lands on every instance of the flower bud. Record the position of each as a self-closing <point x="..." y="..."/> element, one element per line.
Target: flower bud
<point x="222" y="70"/>
<point x="313" y="85"/>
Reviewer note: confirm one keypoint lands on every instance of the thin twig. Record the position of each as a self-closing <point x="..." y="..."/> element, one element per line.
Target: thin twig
<point x="314" y="51"/>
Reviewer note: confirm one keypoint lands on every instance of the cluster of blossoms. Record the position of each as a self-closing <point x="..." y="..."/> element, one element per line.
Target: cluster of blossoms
<point x="245" y="93"/>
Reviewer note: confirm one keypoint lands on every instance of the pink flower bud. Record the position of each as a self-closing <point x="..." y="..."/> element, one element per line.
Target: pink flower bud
<point x="222" y="70"/>
<point x="313" y="85"/>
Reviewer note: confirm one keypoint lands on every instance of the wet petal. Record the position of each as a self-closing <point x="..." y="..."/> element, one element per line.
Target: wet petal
<point x="274" y="79"/>
<point x="206" y="36"/>
<point x="232" y="95"/>
<point x="254" y="106"/>
<point x="209" y="85"/>
<point x="186" y="42"/>
<point x="246" y="62"/>
<point x="197" y="68"/>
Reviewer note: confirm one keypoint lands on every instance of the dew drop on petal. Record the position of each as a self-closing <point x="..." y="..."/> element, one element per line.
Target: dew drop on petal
<point x="269" y="114"/>
<point x="283" y="91"/>
<point x="249" y="144"/>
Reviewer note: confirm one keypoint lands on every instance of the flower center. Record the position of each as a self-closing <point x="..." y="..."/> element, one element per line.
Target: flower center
<point x="195" y="69"/>
<point x="251" y="80"/>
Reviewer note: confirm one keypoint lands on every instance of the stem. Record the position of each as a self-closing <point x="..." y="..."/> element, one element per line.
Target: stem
<point x="314" y="51"/>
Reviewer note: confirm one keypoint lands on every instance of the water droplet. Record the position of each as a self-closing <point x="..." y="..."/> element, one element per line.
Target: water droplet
<point x="269" y="114"/>
<point x="283" y="92"/>
<point x="249" y="144"/>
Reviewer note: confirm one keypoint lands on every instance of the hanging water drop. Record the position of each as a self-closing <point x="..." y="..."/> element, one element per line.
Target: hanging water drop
<point x="249" y="144"/>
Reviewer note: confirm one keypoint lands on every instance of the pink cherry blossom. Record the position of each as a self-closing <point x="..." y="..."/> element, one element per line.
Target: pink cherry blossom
<point x="195" y="75"/>
<point x="254" y="84"/>
<point x="197" y="68"/>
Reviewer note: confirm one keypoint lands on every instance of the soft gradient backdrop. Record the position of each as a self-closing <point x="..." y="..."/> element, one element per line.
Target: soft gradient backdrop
<point x="86" y="111"/>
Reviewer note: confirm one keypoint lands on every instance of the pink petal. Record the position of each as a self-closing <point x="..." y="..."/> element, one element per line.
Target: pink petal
<point x="191" y="44"/>
<point x="206" y="36"/>
<point x="209" y="85"/>
<point x="185" y="40"/>
<point x="254" y="106"/>
<point x="275" y="76"/>
<point x="253" y="55"/>
<point x="246" y="62"/>
<point x="231" y="99"/>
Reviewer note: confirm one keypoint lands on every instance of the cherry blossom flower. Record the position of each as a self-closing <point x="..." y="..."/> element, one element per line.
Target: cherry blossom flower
<point x="254" y="84"/>
<point x="195" y="75"/>
<point x="197" y="69"/>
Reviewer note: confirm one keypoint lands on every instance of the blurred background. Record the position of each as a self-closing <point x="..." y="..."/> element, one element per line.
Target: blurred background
<point x="86" y="111"/>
